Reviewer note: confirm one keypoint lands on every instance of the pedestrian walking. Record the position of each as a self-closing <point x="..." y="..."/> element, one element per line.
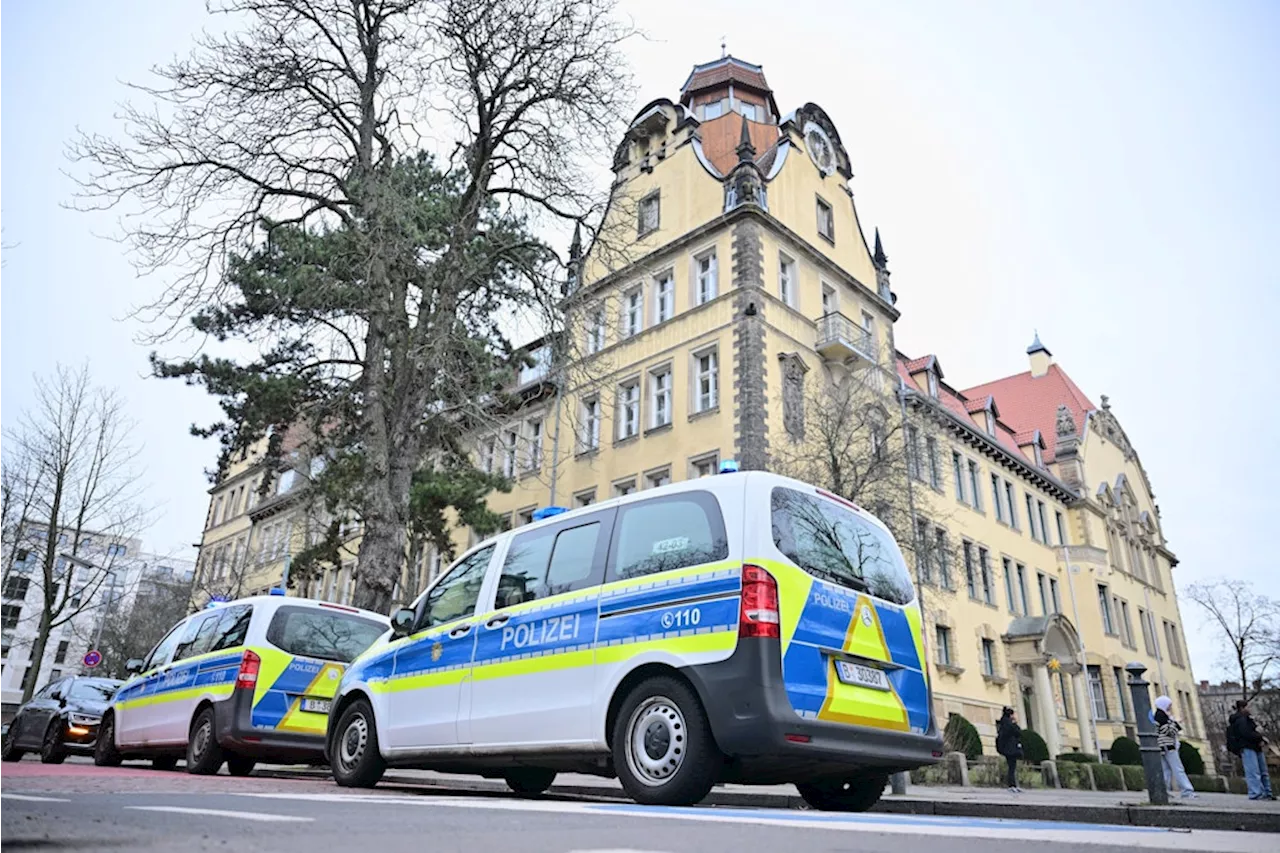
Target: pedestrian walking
<point x="1168" y="730"/>
<point x="1009" y="744"/>
<point x="1244" y="740"/>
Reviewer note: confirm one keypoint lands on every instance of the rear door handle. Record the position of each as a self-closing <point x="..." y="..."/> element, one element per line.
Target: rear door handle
<point x="460" y="631"/>
<point x="497" y="622"/>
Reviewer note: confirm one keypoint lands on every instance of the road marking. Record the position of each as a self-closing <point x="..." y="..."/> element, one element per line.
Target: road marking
<point x="258" y="816"/>
<point x="27" y="798"/>
<point x="889" y="824"/>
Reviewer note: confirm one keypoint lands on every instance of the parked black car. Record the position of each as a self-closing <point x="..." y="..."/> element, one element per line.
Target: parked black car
<point x="62" y="718"/>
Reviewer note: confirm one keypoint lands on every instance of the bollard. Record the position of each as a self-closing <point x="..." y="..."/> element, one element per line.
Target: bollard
<point x="898" y="781"/>
<point x="1152" y="761"/>
<point x="1049" y="769"/>
<point x="957" y="769"/>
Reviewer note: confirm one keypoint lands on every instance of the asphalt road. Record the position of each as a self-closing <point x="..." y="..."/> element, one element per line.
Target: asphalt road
<point x="80" y="807"/>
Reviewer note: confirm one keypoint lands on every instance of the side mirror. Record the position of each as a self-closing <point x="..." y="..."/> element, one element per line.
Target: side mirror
<point x="134" y="665"/>
<point x="402" y="622"/>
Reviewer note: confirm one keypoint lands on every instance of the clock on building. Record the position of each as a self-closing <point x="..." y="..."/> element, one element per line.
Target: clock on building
<point x="821" y="151"/>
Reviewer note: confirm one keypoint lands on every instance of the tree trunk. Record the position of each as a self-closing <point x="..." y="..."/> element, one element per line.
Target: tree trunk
<point x="37" y="655"/>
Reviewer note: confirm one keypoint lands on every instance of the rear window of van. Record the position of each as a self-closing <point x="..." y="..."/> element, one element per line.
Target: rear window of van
<point x="834" y="543"/>
<point x="314" y="632"/>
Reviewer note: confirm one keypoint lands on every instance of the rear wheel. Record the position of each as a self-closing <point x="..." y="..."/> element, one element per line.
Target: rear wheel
<point x="9" y="751"/>
<point x="204" y="756"/>
<point x="238" y="765"/>
<point x="848" y="795"/>
<point x="51" y="749"/>
<point x="663" y="750"/>
<point x="164" y="762"/>
<point x="105" y="753"/>
<point x="355" y="760"/>
<point x="529" y="780"/>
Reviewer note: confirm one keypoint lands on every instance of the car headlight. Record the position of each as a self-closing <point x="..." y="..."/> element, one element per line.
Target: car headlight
<point x="84" y="719"/>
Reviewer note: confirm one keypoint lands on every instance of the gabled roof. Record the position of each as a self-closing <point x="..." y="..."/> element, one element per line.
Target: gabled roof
<point x="1031" y="402"/>
<point x="924" y="362"/>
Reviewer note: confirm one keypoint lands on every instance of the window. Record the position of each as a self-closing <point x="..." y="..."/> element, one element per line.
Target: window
<point x="869" y="328"/>
<point x="1053" y="594"/>
<point x="1024" y="606"/>
<point x="198" y="636"/>
<point x="1172" y="643"/>
<point x="715" y="109"/>
<point x="1146" y="632"/>
<point x="935" y="466"/>
<point x="511" y="441"/>
<point x="625" y="487"/>
<point x="957" y="469"/>
<point x="118" y="550"/>
<point x="932" y="379"/>
<point x="705" y="273"/>
<point x="1065" y="694"/>
<point x="942" y="557"/>
<point x="15" y="586"/>
<point x="974" y="490"/>
<point x="988" y="582"/>
<point x="942" y="645"/>
<point x="660" y="397"/>
<point x="664" y="298"/>
<point x="1044" y="524"/>
<point x="288" y="479"/>
<point x="454" y="597"/>
<point x="706" y="381"/>
<point x="1127" y="625"/>
<point x="632" y="312"/>
<point x="595" y="330"/>
<point x="838" y="545"/>
<point x="1031" y="517"/>
<point x="995" y="497"/>
<point x="322" y="633"/>
<point x="970" y="573"/>
<point x="704" y="466"/>
<point x="160" y="654"/>
<point x="990" y="422"/>
<point x="988" y="657"/>
<point x="749" y="111"/>
<point x="548" y="562"/>
<point x="629" y="410"/>
<point x="924" y="560"/>
<point x="9" y="616"/>
<point x="233" y="625"/>
<point x="55" y="673"/>
<point x="584" y="498"/>
<point x="1007" y="565"/>
<point x="1011" y="504"/>
<point x="914" y="468"/>
<point x="1121" y="689"/>
<point x="829" y="304"/>
<point x="826" y="221"/>
<point x="487" y="451"/>
<point x="1104" y="604"/>
<point x="523" y="517"/>
<point x="590" y="437"/>
<point x="1042" y="584"/>
<point x="534" y="461"/>
<point x="1097" y="694"/>
<point x="667" y="533"/>
<point x="787" y="280"/>
<point x="655" y="479"/>
<point x="60" y="656"/>
<point x="648" y="214"/>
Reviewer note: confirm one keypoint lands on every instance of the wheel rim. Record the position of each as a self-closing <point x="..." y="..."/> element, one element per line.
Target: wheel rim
<point x="200" y="741"/>
<point x="354" y="741"/>
<point x="51" y="740"/>
<point x="656" y="744"/>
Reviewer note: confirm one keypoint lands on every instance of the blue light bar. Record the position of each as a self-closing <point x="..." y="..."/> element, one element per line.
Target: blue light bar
<point x="275" y="590"/>
<point x="548" y="511"/>
<point x="728" y="466"/>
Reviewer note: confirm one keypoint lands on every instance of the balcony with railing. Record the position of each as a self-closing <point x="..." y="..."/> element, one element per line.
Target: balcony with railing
<point x="840" y="339"/>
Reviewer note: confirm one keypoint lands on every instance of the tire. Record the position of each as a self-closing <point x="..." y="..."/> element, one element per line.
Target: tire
<point x="848" y="795"/>
<point x="529" y="780"/>
<point x="105" y="753"/>
<point x="238" y="765"/>
<point x="204" y="755"/>
<point x="9" y="751"/>
<point x="164" y="762"/>
<point x="51" y="749"/>
<point x="663" y="749"/>
<point x="356" y="761"/>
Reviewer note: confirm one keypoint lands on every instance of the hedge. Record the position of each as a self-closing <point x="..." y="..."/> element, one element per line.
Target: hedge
<point x="1134" y="777"/>
<point x="1125" y="751"/>
<point x="1034" y="748"/>
<point x="1073" y="774"/>
<point x="961" y="736"/>
<point x="1191" y="759"/>
<point x="1107" y="777"/>
<point x="1078" y="757"/>
<point x="1208" y="784"/>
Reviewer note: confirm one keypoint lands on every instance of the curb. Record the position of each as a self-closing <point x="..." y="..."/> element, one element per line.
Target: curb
<point x="1164" y="817"/>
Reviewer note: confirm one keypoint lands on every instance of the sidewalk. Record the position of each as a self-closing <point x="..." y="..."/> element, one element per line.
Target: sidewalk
<point x="1209" y="811"/>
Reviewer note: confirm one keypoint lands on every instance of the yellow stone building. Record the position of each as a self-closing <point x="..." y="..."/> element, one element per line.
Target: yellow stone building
<point x="731" y="273"/>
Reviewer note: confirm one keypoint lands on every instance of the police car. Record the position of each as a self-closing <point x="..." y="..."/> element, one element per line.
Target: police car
<point x="741" y="628"/>
<point x="240" y="682"/>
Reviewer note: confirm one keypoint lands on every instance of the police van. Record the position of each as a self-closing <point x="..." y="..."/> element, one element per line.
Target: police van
<point x="743" y="628"/>
<point x="240" y="682"/>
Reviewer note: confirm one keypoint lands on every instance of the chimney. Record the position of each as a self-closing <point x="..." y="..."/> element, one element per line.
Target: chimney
<point x="1040" y="357"/>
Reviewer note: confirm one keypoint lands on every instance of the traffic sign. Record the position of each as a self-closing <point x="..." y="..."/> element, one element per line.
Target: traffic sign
<point x="92" y="658"/>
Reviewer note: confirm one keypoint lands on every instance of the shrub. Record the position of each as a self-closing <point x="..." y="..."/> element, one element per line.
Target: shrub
<point x="1125" y="751"/>
<point x="1207" y="784"/>
<point x="1134" y="777"/>
<point x="1235" y="785"/>
<point x="1077" y="757"/>
<point x="1034" y="748"/>
<point x="961" y="736"/>
<point x="1191" y="759"/>
<point x="1072" y="774"/>
<point x="1107" y="777"/>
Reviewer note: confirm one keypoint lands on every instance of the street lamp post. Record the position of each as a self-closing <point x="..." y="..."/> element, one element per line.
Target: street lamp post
<point x="1152" y="760"/>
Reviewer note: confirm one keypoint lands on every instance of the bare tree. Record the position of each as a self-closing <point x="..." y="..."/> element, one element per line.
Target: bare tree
<point x="1248" y="624"/>
<point x="155" y="607"/>
<point x="19" y="477"/>
<point x="86" y="496"/>
<point x="376" y="281"/>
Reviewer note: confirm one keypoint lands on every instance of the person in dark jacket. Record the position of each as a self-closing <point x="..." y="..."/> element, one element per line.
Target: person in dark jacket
<point x="1244" y="739"/>
<point x="1009" y="744"/>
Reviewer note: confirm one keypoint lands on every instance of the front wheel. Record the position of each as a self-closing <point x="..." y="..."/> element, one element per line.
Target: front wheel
<point x="51" y="749"/>
<point x="204" y="755"/>
<point x="529" y="780"/>
<point x="356" y="761"/>
<point x="847" y="795"/>
<point x="105" y="753"/>
<point x="9" y="751"/>
<point x="663" y="750"/>
<point x="238" y="765"/>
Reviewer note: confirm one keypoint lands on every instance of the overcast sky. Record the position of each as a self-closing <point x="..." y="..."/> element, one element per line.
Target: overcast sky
<point x="1104" y="172"/>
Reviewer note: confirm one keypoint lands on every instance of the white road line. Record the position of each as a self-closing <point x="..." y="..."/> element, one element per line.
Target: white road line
<point x="258" y="816"/>
<point x="27" y="798"/>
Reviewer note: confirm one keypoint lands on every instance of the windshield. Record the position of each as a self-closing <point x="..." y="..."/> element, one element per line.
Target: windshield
<point x="93" y="690"/>
<point x="836" y="544"/>
<point x="325" y="634"/>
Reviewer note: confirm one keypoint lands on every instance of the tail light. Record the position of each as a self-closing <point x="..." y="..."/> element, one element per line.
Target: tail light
<point x="758" y="610"/>
<point x="247" y="677"/>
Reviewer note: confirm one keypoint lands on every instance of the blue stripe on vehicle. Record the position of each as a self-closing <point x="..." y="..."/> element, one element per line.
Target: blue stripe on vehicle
<point x="676" y="619"/>
<point x="669" y="594"/>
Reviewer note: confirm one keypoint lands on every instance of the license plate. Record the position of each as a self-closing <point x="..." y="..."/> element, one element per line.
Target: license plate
<point x="862" y="676"/>
<point x="317" y="706"/>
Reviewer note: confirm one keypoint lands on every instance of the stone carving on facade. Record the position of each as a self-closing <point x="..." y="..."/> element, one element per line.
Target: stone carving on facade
<point x="793" y="371"/>
<point x="1109" y="426"/>
<point x="1066" y="424"/>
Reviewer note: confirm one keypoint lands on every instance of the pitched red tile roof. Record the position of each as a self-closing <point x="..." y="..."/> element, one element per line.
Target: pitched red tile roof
<point x="725" y="70"/>
<point x="1029" y="403"/>
<point x="958" y="404"/>
<point x="972" y="405"/>
<point x="1028" y="437"/>
<point x="916" y="365"/>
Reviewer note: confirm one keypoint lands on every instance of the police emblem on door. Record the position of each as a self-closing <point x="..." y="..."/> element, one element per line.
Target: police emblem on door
<point x="866" y="615"/>
<point x="436" y="651"/>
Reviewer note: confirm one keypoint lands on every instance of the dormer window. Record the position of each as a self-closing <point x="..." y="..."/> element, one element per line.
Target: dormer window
<point x="715" y="109"/>
<point x="933" y="384"/>
<point x="1039" y="455"/>
<point x="749" y="111"/>
<point x="991" y="422"/>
